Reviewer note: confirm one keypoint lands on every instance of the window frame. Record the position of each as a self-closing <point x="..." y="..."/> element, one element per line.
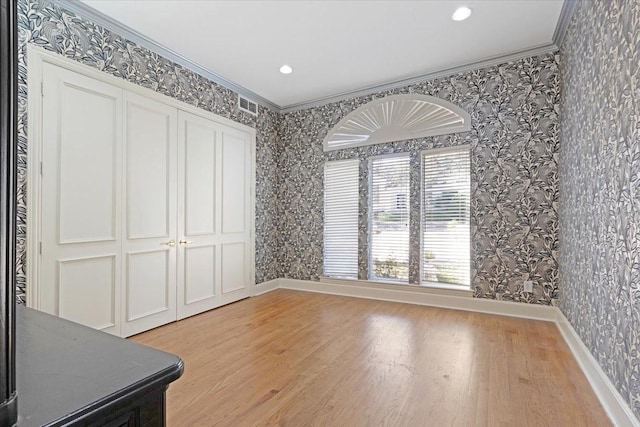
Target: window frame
<point x="442" y="150"/>
<point x="324" y="222"/>
<point x="370" y="276"/>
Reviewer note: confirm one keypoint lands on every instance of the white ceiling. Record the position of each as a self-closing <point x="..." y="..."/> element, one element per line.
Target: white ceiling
<point x="334" y="47"/>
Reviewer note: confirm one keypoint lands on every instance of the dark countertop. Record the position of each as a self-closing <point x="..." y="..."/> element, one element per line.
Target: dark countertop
<point x="66" y="371"/>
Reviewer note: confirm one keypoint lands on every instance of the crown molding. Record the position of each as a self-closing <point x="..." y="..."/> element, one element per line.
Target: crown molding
<point x="568" y="8"/>
<point x="368" y="90"/>
<point x="107" y="22"/>
<point x="99" y="18"/>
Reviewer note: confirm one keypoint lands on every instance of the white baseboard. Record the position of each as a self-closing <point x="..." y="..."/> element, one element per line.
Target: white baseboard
<point x="264" y="287"/>
<point x="420" y="297"/>
<point x="612" y="401"/>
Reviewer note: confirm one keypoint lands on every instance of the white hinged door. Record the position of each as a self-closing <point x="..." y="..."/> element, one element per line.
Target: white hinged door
<point x="236" y="249"/>
<point x="145" y="210"/>
<point x="214" y="181"/>
<point x="81" y="199"/>
<point x="149" y="214"/>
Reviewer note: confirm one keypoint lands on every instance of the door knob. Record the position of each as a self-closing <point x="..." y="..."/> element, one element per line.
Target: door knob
<point x="171" y="243"/>
<point x="185" y="242"/>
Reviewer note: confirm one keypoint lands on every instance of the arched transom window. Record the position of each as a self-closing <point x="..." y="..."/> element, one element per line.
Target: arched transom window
<point x="397" y="118"/>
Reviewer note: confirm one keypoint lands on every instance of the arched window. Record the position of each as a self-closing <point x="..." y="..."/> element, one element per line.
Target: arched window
<point x="397" y="118"/>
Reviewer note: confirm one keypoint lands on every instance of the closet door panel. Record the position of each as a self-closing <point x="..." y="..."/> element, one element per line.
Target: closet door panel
<point x="198" y="214"/>
<point x="233" y="267"/>
<point x="199" y="274"/>
<point x="80" y="199"/>
<point x="149" y="283"/>
<point x="87" y="291"/>
<point x="234" y="185"/>
<point x="199" y="178"/>
<point x="150" y="214"/>
<point x="87" y="164"/>
<point x="149" y="170"/>
<point x="237" y="259"/>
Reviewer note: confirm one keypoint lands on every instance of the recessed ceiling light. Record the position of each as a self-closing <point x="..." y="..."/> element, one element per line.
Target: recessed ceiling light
<point x="461" y="13"/>
<point x="285" y="69"/>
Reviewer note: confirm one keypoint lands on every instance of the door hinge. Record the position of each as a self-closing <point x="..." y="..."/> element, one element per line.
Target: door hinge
<point x="40" y="248"/>
<point x="42" y="88"/>
<point x="41" y="172"/>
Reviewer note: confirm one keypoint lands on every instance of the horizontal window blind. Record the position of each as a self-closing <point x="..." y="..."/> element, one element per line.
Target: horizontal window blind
<point x="341" y="198"/>
<point x="445" y="216"/>
<point x="389" y="221"/>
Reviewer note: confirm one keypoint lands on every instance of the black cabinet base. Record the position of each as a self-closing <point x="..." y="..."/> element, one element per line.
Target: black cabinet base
<point x="9" y="411"/>
<point x="149" y="410"/>
<point x="71" y="375"/>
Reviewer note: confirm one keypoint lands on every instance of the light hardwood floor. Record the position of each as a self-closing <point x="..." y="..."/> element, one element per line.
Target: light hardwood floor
<point x="301" y="359"/>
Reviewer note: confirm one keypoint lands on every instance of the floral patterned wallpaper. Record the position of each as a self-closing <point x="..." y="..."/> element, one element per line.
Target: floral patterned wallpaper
<point x="515" y="151"/>
<point x="45" y="24"/>
<point x="600" y="187"/>
<point x="514" y="142"/>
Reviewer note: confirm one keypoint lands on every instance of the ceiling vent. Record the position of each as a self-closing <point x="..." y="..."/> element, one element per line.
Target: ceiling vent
<point x="397" y="118"/>
<point x="248" y="106"/>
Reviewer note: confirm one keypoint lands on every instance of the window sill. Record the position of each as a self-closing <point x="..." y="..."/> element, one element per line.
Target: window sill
<point x="427" y="288"/>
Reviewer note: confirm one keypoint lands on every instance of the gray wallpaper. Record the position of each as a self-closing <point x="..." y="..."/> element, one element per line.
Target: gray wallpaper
<point x="600" y="187"/>
<point x="43" y="23"/>
<point x="514" y="140"/>
<point x="514" y="147"/>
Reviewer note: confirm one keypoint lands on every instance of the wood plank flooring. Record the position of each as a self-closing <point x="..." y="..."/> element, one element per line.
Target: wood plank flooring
<point x="292" y="358"/>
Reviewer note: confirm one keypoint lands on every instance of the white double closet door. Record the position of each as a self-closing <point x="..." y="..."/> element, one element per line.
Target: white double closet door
<point x="145" y="208"/>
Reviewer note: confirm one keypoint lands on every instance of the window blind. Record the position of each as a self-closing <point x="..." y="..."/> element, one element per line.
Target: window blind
<point x="341" y="198"/>
<point x="389" y="221"/>
<point x="445" y="216"/>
